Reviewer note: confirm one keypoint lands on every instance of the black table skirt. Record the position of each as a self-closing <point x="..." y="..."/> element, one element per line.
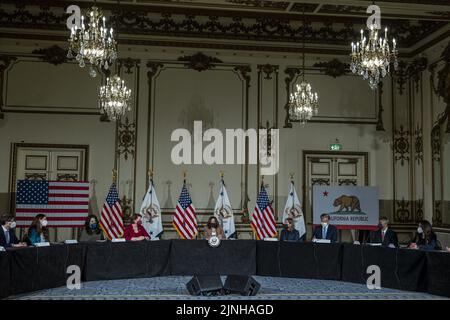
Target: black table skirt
<point x="438" y="273"/>
<point x="402" y="269"/>
<point x="299" y="260"/>
<point x="5" y="274"/>
<point x="191" y="257"/>
<point x="107" y="260"/>
<point x="45" y="267"/>
<point x="29" y="269"/>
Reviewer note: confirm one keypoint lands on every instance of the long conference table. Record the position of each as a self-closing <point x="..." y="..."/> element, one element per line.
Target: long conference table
<point x="34" y="268"/>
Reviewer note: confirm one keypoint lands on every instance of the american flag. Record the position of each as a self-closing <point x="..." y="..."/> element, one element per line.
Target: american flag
<point x="184" y="219"/>
<point x="66" y="204"/>
<point x="111" y="218"/>
<point x="263" y="221"/>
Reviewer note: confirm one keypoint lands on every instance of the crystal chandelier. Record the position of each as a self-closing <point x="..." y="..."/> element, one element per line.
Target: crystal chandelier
<point x="114" y="98"/>
<point x="303" y="103"/>
<point x="94" y="44"/>
<point x="371" y="58"/>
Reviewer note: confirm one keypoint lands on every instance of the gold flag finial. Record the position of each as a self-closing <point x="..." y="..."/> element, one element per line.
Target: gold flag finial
<point x="184" y="174"/>
<point x="291" y="176"/>
<point x="221" y="173"/>
<point x="150" y="174"/>
<point x="114" y="175"/>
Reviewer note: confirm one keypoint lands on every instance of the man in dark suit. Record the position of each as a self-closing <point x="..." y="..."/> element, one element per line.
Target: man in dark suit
<point x="7" y="235"/>
<point x="325" y="230"/>
<point x="387" y="237"/>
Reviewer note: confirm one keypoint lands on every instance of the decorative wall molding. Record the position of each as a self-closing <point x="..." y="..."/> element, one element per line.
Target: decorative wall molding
<point x="128" y="64"/>
<point x="418" y="209"/>
<point x="245" y="71"/>
<point x="402" y="212"/>
<point x="126" y="138"/>
<point x="443" y="87"/>
<point x="401" y="145"/>
<point x="199" y="61"/>
<point x="418" y="145"/>
<point x="261" y="3"/>
<point x="320" y="182"/>
<point x="415" y="68"/>
<point x="400" y="76"/>
<point x="268" y="70"/>
<point x="5" y="62"/>
<point x="380" y="124"/>
<point x="54" y="54"/>
<point x="437" y="213"/>
<point x="411" y="70"/>
<point x="333" y="68"/>
<point x="153" y="69"/>
<point x="228" y="24"/>
<point x="436" y="143"/>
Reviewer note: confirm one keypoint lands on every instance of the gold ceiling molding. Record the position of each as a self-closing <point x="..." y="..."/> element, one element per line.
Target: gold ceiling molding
<point x="249" y="28"/>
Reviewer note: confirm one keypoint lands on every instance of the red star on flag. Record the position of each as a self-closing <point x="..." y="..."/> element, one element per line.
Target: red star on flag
<point x="325" y="193"/>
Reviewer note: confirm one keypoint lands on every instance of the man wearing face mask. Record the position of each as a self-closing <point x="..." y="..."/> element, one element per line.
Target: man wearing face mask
<point x="384" y="235"/>
<point x="7" y="235"/>
<point x="325" y="230"/>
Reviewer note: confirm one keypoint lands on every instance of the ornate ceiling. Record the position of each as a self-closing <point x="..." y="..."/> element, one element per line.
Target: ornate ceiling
<point x="259" y="25"/>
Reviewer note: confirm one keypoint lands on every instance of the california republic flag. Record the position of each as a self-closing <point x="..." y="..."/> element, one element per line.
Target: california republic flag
<point x="224" y="211"/>
<point x="293" y="210"/>
<point x="151" y="213"/>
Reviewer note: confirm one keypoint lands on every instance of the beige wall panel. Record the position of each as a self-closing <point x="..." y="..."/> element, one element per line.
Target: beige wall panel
<point x="37" y="85"/>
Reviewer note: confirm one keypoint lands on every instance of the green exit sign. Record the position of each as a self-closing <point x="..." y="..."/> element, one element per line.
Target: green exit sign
<point x="335" y="147"/>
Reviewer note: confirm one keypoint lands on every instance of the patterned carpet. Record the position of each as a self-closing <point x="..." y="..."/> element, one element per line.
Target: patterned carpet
<point x="173" y="288"/>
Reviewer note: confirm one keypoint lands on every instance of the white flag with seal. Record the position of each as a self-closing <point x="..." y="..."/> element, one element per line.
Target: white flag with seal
<point x="293" y="210"/>
<point x="224" y="211"/>
<point x="151" y="213"/>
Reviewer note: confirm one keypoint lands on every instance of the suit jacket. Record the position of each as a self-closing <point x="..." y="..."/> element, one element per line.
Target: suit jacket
<point x="12" y="238"/>
<point x="389" y="238"/>
<point x="331" y="233"/>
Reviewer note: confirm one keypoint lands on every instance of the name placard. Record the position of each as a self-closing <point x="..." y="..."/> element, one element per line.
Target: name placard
<point x="322" y="240"/>
<point x="42" y="244"/>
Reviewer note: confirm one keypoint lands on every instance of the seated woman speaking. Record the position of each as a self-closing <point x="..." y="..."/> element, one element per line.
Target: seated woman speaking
<point x="135" y="231"/>
<point x="289" y="233"/>
<point x="213" y="226"/>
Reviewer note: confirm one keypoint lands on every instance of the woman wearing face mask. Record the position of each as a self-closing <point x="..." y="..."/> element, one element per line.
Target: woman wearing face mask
<point x="91" y="230"/>
<point x="213" y="226"/>
<point x="38" y="231"/>
<point x="135" y="231"/>
<point x="425" y="238"/>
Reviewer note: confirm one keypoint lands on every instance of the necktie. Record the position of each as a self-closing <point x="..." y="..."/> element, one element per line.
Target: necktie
<point x="324" y="233"/>
<point x="7" y="237"/>
<point x="382" y="236"/>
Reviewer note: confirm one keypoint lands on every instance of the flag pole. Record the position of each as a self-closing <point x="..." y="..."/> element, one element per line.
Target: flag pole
<point x="150" y="176"/>
<point x="291" y="177"/>
<point x="114" y="176"/>
<point x="292" y="182"/>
